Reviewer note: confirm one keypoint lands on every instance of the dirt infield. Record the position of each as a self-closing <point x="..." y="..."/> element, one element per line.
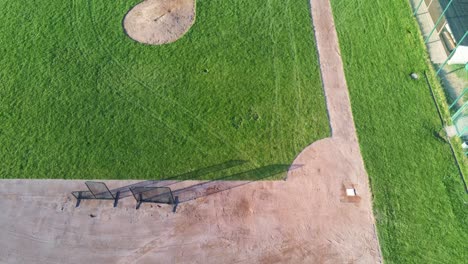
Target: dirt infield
<point x="306" y="219"/>
<point x="159" y="22"/>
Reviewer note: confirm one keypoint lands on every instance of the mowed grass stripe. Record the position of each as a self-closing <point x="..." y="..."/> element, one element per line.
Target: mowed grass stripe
<point x="82" y="100"/>
<point x="419" y="201"/>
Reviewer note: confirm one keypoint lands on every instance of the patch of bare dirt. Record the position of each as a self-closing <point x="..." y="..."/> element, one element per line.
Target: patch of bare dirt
<point x="159" y="22"/>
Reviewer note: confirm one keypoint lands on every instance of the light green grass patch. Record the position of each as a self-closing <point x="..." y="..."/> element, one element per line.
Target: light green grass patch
<point x="419" y="201"/>
<point x="79" y="99"/>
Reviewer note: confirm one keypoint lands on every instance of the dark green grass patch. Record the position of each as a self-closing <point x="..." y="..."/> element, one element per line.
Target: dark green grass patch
<point x="419" y="201"/>
<point x="79" y="99"/>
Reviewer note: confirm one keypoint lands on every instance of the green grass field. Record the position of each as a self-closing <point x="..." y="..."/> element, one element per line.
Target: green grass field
<point x="79" y="99"/>
<point x="420" y="205"/>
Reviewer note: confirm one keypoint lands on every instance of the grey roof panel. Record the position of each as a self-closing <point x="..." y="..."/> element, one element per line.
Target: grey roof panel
<point x="457" y="18"/>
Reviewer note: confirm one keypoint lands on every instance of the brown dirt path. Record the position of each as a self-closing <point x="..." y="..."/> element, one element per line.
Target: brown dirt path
<point x="306" y="219"/>
<point x="159" y="22"/>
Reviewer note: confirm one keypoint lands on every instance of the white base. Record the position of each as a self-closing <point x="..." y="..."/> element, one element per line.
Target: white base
<point x="351" y="192"/>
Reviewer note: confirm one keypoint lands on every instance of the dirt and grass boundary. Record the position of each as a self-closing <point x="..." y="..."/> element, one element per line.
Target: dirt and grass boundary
<point x="418" y="194"/>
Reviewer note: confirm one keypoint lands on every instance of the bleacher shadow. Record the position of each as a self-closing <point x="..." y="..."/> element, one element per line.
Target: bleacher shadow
<point x="165" y="182"/>
<point x="229" y="182"/>
<point x="181" y="189"/>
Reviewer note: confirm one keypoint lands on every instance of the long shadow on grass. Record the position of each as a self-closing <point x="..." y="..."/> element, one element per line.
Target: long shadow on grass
<point x="191" y="175"/>
<point x="182" y="191"/>
<point x="205" y="188"/>
<point x="229" y="182"/>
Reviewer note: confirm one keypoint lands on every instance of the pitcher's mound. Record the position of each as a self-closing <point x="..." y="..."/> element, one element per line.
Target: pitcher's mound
<point x="158" y="22"/>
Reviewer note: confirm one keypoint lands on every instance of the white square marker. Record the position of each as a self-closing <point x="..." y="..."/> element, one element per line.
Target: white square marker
<point x="351" y="192"/>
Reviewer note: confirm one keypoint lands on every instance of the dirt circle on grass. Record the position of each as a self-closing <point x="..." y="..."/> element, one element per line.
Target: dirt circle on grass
<point x="157" y="22"/>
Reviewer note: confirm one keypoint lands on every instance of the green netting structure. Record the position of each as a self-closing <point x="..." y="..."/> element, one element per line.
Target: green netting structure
<point x="460" y="119"/>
